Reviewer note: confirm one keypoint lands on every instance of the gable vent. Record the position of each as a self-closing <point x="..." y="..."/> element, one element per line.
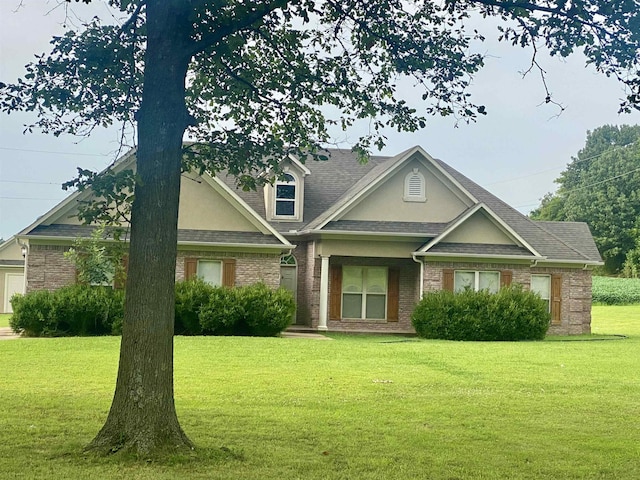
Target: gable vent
<point x="414" y="187"/>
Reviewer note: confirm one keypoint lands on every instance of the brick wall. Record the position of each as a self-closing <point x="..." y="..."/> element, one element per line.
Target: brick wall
<point x="307" y="302"/>
<point x="575" y="310"/>
<point x="250" y="267"/>
<point x="48" y="269"/>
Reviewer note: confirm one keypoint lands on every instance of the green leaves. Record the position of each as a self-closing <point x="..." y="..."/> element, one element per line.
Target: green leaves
<point x="601" y="186"/>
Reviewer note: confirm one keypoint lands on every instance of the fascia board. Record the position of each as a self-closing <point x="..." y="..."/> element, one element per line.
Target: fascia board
<point x="243" y="207"/>
<point x="68" y="203"/>
<point x="237" y="245"/>
<point x="476" y="255"/>
<point x="368" y="188"/>
<point x="301" y="166"/>
<point x="501" y="223"/>
<point x="446" y="174"/>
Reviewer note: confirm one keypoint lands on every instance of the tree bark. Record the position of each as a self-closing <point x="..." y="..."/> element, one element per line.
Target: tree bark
<point x="142" y="419"/>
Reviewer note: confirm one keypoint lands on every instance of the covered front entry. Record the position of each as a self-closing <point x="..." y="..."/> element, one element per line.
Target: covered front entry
<point x="289" y="277"/>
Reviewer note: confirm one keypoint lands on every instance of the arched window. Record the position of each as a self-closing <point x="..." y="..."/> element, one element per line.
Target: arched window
<point x="414" y="187"/>
<point x="285" y="191"/>
<point x="288" y="260"/>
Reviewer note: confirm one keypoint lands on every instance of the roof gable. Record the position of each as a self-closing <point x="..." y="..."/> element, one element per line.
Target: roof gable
<point x="480" y="225"/>
<point x="381" y="174"/>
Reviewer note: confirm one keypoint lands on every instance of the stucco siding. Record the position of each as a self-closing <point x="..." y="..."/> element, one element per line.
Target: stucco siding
<point x="387" y="201"/>
<point x="479" y="229"/>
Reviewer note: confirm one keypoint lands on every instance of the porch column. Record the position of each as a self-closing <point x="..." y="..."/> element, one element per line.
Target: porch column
<point x="324" y="292"/>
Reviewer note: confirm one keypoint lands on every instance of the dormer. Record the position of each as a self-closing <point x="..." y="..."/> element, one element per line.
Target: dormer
<point x="284" y="199"/>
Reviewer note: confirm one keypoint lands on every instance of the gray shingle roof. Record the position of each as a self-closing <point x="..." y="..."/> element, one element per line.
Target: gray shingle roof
<point x="194" y="236"/>
<point x="335" y="182"/>
<point x="480" y="249"/>
<point x="423" y="229"/>
<point x="543" y="241"/>
<point x="329" y="180"/>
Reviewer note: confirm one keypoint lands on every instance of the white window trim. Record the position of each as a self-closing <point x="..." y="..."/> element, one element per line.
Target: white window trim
<point x="296" y="200"/>
<point x="208" y="260"/>
<point x="422" y="197"/>
<point x="476" y="282"/>
<point x="364" y="293"/>
<point x="548" y="293"/>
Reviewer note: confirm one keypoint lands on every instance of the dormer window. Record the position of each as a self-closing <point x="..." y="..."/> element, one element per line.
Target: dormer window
<point x="414" y="187"/>
<point x="285" y="196"/>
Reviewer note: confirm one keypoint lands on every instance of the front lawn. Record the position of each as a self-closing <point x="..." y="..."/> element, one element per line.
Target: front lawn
<point x="350" y="408"/>
<point x="4" y="319"/>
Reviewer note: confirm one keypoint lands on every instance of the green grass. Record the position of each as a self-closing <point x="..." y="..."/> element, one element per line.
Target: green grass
<point x="359" y="407"/>
<point x="4" y="319"/>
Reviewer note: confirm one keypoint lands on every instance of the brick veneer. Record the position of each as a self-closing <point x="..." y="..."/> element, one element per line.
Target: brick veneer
<point x="48" y="268"/>
<point x="250" y="267"/>
<point x="575" y="310"/>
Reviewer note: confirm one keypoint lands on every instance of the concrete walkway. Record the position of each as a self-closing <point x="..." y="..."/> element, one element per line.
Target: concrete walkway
<point x="7" y="334"/>
<point x="312" y="336"/>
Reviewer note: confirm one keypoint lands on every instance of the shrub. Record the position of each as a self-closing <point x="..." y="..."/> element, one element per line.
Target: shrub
<point x="190" y="296"/>
<point x="31" y="313"/>
<point x="511" y="314"/>
<point x="222" y="313"/>
<point x="73" y="310"/>
<point x="616" y="291"/>
<point x="266" y="312"/>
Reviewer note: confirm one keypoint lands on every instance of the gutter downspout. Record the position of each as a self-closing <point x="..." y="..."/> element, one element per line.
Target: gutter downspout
<point x="421" y="284"/>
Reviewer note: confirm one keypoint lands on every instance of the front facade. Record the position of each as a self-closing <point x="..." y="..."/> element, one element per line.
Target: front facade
<point x="358" y="245"/>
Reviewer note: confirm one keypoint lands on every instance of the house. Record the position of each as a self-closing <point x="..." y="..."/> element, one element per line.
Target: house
<point x="357" y="244"/>
<point x="11" y="273"/>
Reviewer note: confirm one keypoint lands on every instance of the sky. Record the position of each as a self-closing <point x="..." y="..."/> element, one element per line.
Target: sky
<point x="515" y="151"/>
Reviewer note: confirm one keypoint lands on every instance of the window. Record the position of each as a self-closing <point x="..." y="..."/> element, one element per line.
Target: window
<point x="476" y="281"/>
<point x="541" y="284"/>
<point x="210" y="271"/>
<point x="285" y="193"/>
<point x="414" y="187"/>
<point x="364" y="292"/>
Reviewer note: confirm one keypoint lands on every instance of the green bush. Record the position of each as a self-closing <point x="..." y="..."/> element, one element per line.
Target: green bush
<point x="32" y="313"/>
<point x="190" y="296"/>
<point x="509" y="315"/>
<point x="254" y="310"/>
<point x="266" y="312"/>
<point x="222" y="313"/>
<point x="73" y="310"/>
<point x="616" y="291"/>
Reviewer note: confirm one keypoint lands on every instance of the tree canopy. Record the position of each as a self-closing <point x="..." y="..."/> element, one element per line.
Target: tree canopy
<point x="601" y="186"/>
<point x="252" y="82"/>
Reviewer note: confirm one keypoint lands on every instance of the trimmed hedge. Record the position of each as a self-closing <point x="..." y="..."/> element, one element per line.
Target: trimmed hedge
<point x="254" y="310"/>
<point x="69" y="311"/>
<point x="511" y="314"/>
<point x="616" y="291"/>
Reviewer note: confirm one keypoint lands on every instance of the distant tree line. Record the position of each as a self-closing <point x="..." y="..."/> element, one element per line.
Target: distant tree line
<point x="601" y="186"/>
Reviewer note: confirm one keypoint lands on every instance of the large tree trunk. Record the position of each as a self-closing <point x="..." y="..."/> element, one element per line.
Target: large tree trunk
<point x="142" y="418"/>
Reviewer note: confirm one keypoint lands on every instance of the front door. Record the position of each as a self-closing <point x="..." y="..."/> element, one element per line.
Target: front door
<point x="14" y="283"/>
<point x="289" y="280"/>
